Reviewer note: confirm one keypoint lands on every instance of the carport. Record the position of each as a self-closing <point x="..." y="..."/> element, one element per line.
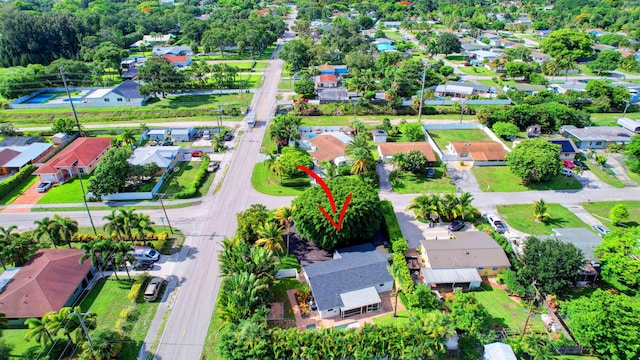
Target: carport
<point x="449" y="279"/>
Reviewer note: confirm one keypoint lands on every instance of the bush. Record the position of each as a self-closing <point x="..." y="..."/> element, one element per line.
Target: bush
<point x="11" y="183"/>
<point x="135" y="294"/>
<point x="509" y="278"/>
<point x="298" y="182"/>
<point x="391" y="221"/>
<point x="161" y="243"/>
<point x="201" y="175"/>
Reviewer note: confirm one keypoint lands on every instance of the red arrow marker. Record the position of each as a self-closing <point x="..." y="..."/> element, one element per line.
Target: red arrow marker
<point x="327" y="191"/>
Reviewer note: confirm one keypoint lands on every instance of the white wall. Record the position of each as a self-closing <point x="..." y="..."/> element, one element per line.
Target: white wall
<point x="129" y="196"/>
<point x="328" y="314"/>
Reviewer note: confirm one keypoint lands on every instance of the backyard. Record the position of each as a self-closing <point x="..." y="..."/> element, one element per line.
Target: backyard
<point x="444" y="137"/>
<point x="500" y="179"/>
<point x="521" y="218"/>
<point x="506" y="311"/>
<point x="601" y="210"/>
<point x="183" y="177"/>
<point x="477" y="70"/>
<point x="408" y="183"/>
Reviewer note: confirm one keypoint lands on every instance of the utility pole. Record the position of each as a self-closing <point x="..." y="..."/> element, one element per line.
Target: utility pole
<point x="84" y="197"/>
<point x="165" y="212"/>
<point x="84" y="327"/>
<point x="73" y="108"/>
<point x="424" y="75"/>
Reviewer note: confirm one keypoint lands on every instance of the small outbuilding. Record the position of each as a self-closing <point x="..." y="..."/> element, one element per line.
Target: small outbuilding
<point x="158" y="134"/>
<point x="379" y="136"/>
<point x="182" y="135"/>
<point x="498" y="351"/>
<point x="629" y="124"/>
<point x="58" y="138"/>
<point x="465" y="278"/>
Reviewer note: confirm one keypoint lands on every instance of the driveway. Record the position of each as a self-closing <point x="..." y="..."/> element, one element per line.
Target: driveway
<point x="463" y="179"/>
<point x="29" y="197"/>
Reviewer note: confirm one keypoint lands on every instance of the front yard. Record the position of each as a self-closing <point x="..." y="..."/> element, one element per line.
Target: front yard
<point x="66" y="193"/>
<point x="500" y="179"/>
<point x="263" y="181"/>
<point x="601" y="211"/>
<point x="183" y="177"/>
<point x="408" y="183"/>
<point x="520" y="217"/>
<point x="444" y="137"/>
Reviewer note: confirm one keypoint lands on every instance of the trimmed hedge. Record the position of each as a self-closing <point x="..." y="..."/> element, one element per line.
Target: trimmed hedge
<point x="298" y="182"/>
<point x="13" y="182"/>
<point x="201" y="175"/>
<point x="137" y="289"/>
<point x="391" y="221"/>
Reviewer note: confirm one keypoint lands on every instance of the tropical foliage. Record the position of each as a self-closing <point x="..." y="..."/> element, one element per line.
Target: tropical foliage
<point x="445" y="207"/>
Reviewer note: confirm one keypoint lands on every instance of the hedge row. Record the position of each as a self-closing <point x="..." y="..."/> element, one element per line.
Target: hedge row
<point x="11" y="183"/>
<point x="390" y="219"/>
<point x="201" y="175"/>
<point x="299" y="182"/>
<point x="137" y="289"/>
<point x="158" y="241"/>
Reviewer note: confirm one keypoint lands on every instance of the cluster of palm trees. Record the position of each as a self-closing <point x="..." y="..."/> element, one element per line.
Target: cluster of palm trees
<point x="447" y="208"/>
<point x="271" y="232"/>
<point x="64" y="322"/>
<point x="122" y="224"/>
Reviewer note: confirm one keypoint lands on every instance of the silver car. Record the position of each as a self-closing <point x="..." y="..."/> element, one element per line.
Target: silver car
<point x="601" y="229"/>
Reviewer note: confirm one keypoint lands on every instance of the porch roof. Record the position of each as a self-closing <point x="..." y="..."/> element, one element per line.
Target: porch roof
<point x="359" y="298"/>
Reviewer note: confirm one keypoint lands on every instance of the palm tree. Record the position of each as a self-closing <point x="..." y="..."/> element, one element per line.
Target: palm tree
<point x="270" y="237"/>
<point x="128" y="137"/>
<point x="421" y="206"/>
<point x="45" y="226"/>
<point x="7" y="236"/>
<point x="123" y="255"/>
<point x="277" y="169"/>
<point x="464" y="208"/>
<point x="37" y="330"/>
<point x="540" y="211"/>
<point x="143" y="225"/>
<point x="399" y="160"/>
<point x="114" y="225"/>
<point x="330" y="170"/>
<point x="66" y="226"/>
<point x="356" y="144"/>
<point x="94" y="249"/>
<point x="128" y="218"/>
<point x="361" y="160"/>
<point x="358" y="127"/>
<point x="284" y="216"/>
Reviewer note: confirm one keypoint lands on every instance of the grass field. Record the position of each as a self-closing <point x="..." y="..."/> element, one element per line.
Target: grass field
<point x="388" y="319"/>
<point x="412" y="184"/>
<point x="504" y="310"/>
<point x="215" y="325"/>
<point x="477" y="70"/>
<point x="609" y="119"/>
<point x="26" y="184"/>
<point x="601" y="211"/>
<point x="444" y="137"/>
<point x="15" y="337"/>
<point x="374" y="120"/>
<point x="604" y="175"/>
<point x="520" y="217"/>
<point x="69" y="192"/>
<point x="500" y="179"/>
<point x="249" y="81"/>
<point x="264" y="182"/>
<point x="633" y="176"/>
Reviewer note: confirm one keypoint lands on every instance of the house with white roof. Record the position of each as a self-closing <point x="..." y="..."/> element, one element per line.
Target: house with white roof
<point x="124" y="94"/>
<point x="164" y="156"/>
<point x="13" y="158"/>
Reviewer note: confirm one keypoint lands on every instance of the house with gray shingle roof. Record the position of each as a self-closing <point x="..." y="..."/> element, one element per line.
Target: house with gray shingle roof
<point x="350" y="283"/>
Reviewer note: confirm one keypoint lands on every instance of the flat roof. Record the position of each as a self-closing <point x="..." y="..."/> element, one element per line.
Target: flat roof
<point x="451" y="276"/>
<point x="359" y="298"/>
<point x="599" y="133"/>
<point x="97" y="94"/>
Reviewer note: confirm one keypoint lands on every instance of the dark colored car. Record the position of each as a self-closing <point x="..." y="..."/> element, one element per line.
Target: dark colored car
<point x="581" y="164"/>
<point x="228" y="137"/>
<point x="456" y="225"/>
<point x="167" y="143"/>
<point x="431" y="173"/>
<point x="142" y="265"/>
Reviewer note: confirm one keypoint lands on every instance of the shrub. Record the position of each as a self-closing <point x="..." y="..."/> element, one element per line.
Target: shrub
<point x="298" y="182"/>
<point x="201" y="175"/>
<point x="509" y="278"/>
<point x="391" y="221"/>
<point x="11" y="183"/>
<point x="137" y="289"/>
<point x="161" y="243"/>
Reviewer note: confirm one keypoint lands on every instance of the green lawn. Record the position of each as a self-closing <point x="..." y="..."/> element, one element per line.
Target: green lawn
<point x="388" y="319"/>
<point x="477" y="70"/>
<point x="608" y="119"/>
<point x="69" y="192"/>
<point x="215" y="325"/>
<point x="633" y="176"/>
<point x="261" y="65"/>
<point x="26" y="184"/>
<point x="279" y="293"/>
<point x="201" y="101"/>
<point x="500" y="179"/>
<point x="182" y="178"/>
<point x="505" y="311"/>
<point x="601" y="210"/>
<point x="454" y="58"/>
<point x="585" y="70"/>
<point x="520" y="217"/>
<point x="285" y="85"/>
<point x="248" y="81"/>
<point x="605" y="175"/>
<point x="107" y="299"/>
<point x="444" y="137"/>
<point x="373" y="120"/>
<point x="264" y="182"/>
<point x="415" y="184"/>
<point x="15" y="337"/>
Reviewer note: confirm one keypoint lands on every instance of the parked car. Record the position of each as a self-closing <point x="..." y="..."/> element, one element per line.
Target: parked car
<point x="213" y="166"/>
<point x="145" y="253"/>
<point x="228" y="137"/>
<point x="206" y="135"/>
<point x="496" y="223"/>
<point x="167" y="143"/>
<point x="601" y="229"/>
<point x="581" y="164"/>
<point x="153" y="289"/>
<point x="142" y="265"/>
<point x="43" y="187"/>
<point x="456" y="225"/>
<point x="566" y="171"/>
<point x="431" y="173"/>
<point x="568" y="163"/>
<point x="196" y="153"/>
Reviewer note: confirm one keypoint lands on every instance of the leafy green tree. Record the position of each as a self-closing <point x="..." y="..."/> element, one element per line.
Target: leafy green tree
<point x="619" y="252"/>
<point x="64" y="125"/>
<point x="448" y="43"/>
<point x="423" y="298"/>
<point x="607" y="323"/>
<point x="305" y="87"/>
<point x="563" y="42"/>
<point x="108" y="175"/>
<point x="292" y="157"/>
<point x="632" y="154"/>
<point x="534" y="160"/>
<point x="412" y="131"/>
<point x="551" y="264"/>
<point x="619" y="213"/>
<point x="505" y="129"/>
<point x="601" y="159"/>
<point x="607" y="60"/>
<point x="296" y="52"/>
<point x="362" y="218"/>
<point x="160" y="77"/>
<point x="416" y="162"/>
<point x="250" y="220"/>
<point x="469" y="315"/>
<point x="5" y="350"/>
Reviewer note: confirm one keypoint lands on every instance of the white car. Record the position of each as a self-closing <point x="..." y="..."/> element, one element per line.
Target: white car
<point x="497" y="224"/>
<point x="145" y="253"/>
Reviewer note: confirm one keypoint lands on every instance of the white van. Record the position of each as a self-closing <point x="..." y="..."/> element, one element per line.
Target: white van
<point x="145" y="253"/>
<point x="206" y="135"/>
<point x="566" y="171"/>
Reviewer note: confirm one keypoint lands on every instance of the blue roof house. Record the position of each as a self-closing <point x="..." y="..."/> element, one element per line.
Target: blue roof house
<point x="568" y="149"/>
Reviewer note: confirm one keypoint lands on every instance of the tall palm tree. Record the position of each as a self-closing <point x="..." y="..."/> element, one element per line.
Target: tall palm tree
<point x="356" y="144"/>
<point x="114" y="225"/>
<point x="128" y="137"/>
<point x="94" y="250"/>
<point x="270" y="237"/>
<point x="284" y="216"/>
<point x="540" y="211"/>
<point x="66" y="226"/>
<point x="7" y="236"/>
<point x="128" y="218"/>
<point x="123" y="255"/>
<point x="464" y="208"/>
<point x="44" y="226"/>
<point x="361" y="160"/>
<point x="37" y="330"/>
<point x="358" y="127"/>
<point x="277" y="169"/>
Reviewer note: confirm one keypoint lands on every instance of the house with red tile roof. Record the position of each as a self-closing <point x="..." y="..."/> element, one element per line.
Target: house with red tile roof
<point x="81" y="156"/>
<point x="328" y="147"/>
<point x="178" y="60"/>
<point x="481" y="153"/>
<point x="326" y="81"/>
<point x="49" y="281"/>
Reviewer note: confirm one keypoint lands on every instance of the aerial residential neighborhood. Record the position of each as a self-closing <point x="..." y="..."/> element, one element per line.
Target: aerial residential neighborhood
<point x="319" y="180"/>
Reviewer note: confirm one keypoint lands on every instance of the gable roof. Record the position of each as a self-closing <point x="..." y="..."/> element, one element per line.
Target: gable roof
<point x="481" y="150"/>
<point x="6" y="155"/>
<point x="327" y="77"/>
<point x="390" y="148"/>
<point x="176" y="58"/>
<point x="45" y="283"/>
<point x="84" y="150"/>
<point x="161" y="155"/>
<point x="328" y="147"/>
<point x="20" y="140"/>
<point x="129" y="90"/>
<point x="469" y="249"/>
<point x="357" y="267"/>
<point x="566" y="145"/>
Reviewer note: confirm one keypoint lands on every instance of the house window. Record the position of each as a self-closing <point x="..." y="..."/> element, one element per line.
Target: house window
<point x="119" y="99"/>
<point x="480" y="268"/>
<point x="494" y="268"/>
<point x="464" y="155"/>
<point x="107" y="100"/>
<point x="81" y="170"/>
<point x="373" y="307"/>
<point x="128" y="100"/>
<point x="598" y="143"/>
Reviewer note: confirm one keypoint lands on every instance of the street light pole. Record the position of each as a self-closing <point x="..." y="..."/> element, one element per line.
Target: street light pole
<point x="73" y="108"/>
<point x="424" y="75"/>
<point x="165" y="212"/>
<point x="84" y="197"/>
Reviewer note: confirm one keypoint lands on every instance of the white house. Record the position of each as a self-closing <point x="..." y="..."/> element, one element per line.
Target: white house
<point x="158" y="134"/>
<point x="124" y="94"/>
<point x="164" y="156"/>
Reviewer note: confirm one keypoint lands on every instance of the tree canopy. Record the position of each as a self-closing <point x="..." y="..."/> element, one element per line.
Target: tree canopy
<point x="362" y="218"/>
<point x="535" y="160"/>
<point x="619" y="252"/>
<point x="632" y="154"/>
<point x="570" y="43"/>
<point x="448" y="43"/>
<point x="109" y="175"/>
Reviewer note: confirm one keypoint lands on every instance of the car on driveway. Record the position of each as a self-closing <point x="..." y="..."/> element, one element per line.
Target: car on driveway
<point x="601" y="229"/>
<point x="145" y="253"/>
<point x="228" y="137"/>
<point x="167" y="143"/>
<point x="568" y="163"/>
<point x="43" y="187"/>
<point x="566" y="171"/>
<point x="142" y="265"/>
<point x="153" y="289"/>
<point x="496" y="223"/>
<point x="581" y="164"/>
<point x="196" y="153"/>
<point x="456" y="225"/>
<point x="213" y="166"/>
<point x="431" y="173"/>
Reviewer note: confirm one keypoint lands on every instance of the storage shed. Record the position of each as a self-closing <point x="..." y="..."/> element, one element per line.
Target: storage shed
<point x="158" y="134"/>
<point x="182" y="135"/>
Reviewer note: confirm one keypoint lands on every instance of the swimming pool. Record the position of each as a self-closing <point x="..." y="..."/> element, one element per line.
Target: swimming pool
<point x="311" y="136"/>
<point x="75" y="100"/>
<point x="40" y="98"/>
